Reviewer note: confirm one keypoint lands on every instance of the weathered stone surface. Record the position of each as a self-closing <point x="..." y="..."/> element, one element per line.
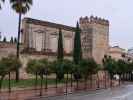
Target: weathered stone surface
<point x="95" y="37"/>
<point x="39" y="40"/>
<point x="43" y="36"/>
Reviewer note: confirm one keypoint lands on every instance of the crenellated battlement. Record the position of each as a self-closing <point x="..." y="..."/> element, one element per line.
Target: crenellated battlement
<point x="92" y="19"/>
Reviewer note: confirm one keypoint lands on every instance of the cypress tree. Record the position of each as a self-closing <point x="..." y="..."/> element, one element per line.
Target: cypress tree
<point x="4" y="39"/>
<point x="15" y="40"/>
<point x="77" y="51"/>
<point x="11" y="40"/>
<point x="60" y="54"/>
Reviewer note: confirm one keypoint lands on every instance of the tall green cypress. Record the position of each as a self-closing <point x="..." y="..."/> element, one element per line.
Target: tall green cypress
<point x="4" y="39"/>
<point x="15" y="40"/>
<point x="11" y="40"/>
<point x="60" y="54"/>
<point x="77" y="51"/>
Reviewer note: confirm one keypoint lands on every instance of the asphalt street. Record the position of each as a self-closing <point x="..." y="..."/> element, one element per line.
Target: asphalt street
<point x="124" y="92"/>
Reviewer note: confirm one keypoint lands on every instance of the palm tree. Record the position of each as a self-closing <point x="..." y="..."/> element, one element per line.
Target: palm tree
<point x="0" y="3"/>
<point x="20" y="7"/>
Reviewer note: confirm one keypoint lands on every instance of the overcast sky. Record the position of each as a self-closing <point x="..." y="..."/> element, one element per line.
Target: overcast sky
<point x="118" y="12"/>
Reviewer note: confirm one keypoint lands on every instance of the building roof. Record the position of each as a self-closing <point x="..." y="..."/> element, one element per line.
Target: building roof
<point x="118" y="48"/>
<point x="50" y="24"/>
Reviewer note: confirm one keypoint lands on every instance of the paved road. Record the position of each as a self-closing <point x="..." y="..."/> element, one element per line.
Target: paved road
<point x="120" y="93"/>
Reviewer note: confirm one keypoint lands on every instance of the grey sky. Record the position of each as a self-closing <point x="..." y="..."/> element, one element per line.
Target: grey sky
<point x="118" y="12"/>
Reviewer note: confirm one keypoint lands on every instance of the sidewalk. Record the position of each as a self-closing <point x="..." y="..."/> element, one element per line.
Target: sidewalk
<point x="51" y="91"/>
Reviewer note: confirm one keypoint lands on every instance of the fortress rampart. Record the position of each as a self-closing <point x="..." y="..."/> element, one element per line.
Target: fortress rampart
<point x="92" y="20"/>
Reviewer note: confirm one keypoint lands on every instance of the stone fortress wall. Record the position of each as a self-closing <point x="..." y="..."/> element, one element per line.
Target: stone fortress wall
<point x="42" y="36"/>
<point x="39" y="40"/>
<point x="95" y="37"/>
<point x="7" y="49"/>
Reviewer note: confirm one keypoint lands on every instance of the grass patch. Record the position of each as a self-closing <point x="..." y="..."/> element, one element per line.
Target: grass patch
<point x="28" y="83"/>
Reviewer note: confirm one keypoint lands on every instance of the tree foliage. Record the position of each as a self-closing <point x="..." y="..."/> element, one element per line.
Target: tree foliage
<point x="15" y="40"/>
<point x="57" y="67"/>
<point x="117" y="66"/>
<point x="60" y="52"/>
<point x="11" y="40"/>
<point x="62" y="67"/>
<point x="88" y="67"/>
<point x="110" y="64"/>
<point x="41" y="67"/>
<point x="4" y="39"/>
<point x="32" y="66"/>
<point x="7" y="65"/>
<point x="68" y="66"/>
<point x="21" y="6"/>
<point x="77" y="52"/>
<point x="122" y="66"/>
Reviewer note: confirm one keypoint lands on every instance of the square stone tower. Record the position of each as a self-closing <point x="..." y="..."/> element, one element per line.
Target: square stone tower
<point x="94" y="37"/>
